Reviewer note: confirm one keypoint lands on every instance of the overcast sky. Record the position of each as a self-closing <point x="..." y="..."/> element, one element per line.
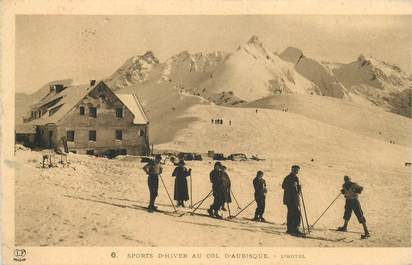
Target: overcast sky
<point x="93" y="47"/>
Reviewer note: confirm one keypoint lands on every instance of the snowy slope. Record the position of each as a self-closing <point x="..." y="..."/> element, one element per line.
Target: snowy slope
<point x="316" y="72"/>
<point x="381" y="83"/>
<point x="108" y="196"/>
<point x="370" y="121"/>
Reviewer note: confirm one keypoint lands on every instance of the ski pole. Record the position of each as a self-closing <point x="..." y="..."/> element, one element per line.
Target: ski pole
<point x="202" y="199"/>
<point x="228" y="208"/>
<point x="168" y="195"/>
<point x="326" y="209"/>
<point x="201" y="202"/>
<point x="244" y="208"/>
<point x="301" y="220"/>
<point x="238" y="206"/>
<point x="304" y="209"/>
<point x="191" y="201"/>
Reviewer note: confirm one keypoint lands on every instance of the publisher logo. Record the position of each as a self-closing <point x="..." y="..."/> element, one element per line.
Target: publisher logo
<point x="19" y="255"/>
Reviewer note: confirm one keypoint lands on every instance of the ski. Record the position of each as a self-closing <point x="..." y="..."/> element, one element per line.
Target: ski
<point x="263" y="222"/>
<point x="175" y="214"/>
<point x="342" y="239"/>
<point x="335" y="230"/>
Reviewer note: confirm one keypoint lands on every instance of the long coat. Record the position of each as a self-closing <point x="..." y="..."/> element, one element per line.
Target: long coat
<point x="226" y="188"/>
<point x="181" y="191"/>
<point x="291" y="194"/>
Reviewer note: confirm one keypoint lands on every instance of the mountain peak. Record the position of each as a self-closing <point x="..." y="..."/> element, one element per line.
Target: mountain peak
<point x="291" y="54"/>
<point x="254" y="40"/>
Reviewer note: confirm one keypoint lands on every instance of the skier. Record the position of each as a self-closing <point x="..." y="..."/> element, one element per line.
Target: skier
<point x="260" y="196"/>
<point x="216" y="178"/>
<point x="351" y="190"/>
<point x="153" y="169"/>
<point x="291" y="189"/>
<point x="181" y="192"/>
<point x="227" y="198"/>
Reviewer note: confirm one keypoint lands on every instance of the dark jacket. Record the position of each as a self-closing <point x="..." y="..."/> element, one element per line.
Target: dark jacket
<point x="260" y="188"/>
<point x="216" y="180"/>
<point x="181" y="190"/>
<point x="351" y="190"/>
<point x="290" y="186"/>
<point x="153" y="169"/>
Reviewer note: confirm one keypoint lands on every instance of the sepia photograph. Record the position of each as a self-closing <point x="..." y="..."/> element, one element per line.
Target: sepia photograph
<point x="216" y="131"/>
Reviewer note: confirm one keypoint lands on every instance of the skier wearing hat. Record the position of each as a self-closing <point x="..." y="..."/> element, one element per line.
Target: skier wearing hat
<point x="181" y="192"/>
<point x="153" y="169"/>
<point x="351" y="191"/>
<point x="216" y="178"/>
<point x="260" y="196"/>
<point x="291" y="189"/>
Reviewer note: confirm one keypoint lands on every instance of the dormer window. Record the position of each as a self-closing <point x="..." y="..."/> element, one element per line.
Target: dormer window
<point x="81" y="110"/>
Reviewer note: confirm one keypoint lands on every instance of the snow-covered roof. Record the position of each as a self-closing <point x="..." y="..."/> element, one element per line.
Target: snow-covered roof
<point x="133" y="104"/>
<point x="67" y="99"/>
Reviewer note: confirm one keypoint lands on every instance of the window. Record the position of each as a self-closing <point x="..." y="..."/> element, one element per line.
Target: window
<point x="82" y="110"/>
<point x="90" y="152"/>
<point x="92" y="136"/>
<point x="141" y="132"/>
<point x="93" y="112"/>
<point x="70" y="136"/>
<point x="119" y="112"/>
<point x="119" y="135"/>
<point x="50" y="134"/>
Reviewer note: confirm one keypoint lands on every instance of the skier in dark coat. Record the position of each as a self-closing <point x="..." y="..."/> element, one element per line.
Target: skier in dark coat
<point x="226" y="188"/>
<point x="260" y="196"/>
<point x="181" y="192"/>
<point x="351" y="190"/>
<point x="291" y="189"/>
<point x="216" y="178"/>
<point x="153" y="169"/>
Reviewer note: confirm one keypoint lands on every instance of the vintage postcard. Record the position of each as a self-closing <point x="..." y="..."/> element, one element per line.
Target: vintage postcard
<point x="224" y="132"/>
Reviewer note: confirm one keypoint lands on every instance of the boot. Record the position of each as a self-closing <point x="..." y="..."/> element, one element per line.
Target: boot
<point x="262" y="219"/>
<point x="365" y="228"/>
<point x="256" y="218"/>
<point x="344" y="228"/>
<point x="217" y="215"/>
<point x="210" y="212"/>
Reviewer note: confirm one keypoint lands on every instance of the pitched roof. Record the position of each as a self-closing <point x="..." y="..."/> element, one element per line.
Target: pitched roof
<point x="67" y="99"/>
<point x="133" y="104"/>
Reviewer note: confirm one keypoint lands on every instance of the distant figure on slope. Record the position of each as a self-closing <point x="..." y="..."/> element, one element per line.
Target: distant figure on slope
<point x="351" y="190"/>
<point x="291" y="189"/>
<point x="260" y="196"/>
<point x="226" y="187"/>
<point x="153" y="169"/>
<point x="216" y="178"/>
<point x="181" y="192"/>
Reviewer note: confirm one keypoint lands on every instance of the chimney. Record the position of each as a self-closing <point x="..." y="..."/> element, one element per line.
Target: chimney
<point x="59" y="88"/>
<point x="92" y="82"/>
